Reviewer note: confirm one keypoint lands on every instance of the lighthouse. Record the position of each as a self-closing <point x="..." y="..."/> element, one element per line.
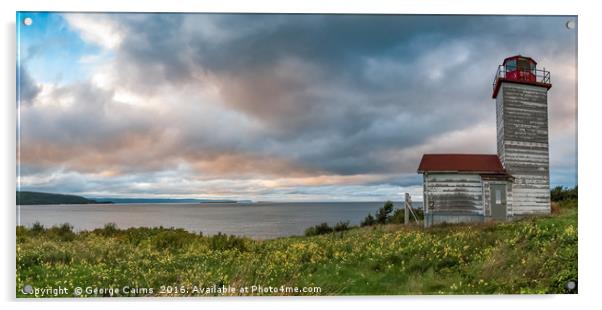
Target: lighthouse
<point x="515" y="182"/>
<point x="520" y="91"/>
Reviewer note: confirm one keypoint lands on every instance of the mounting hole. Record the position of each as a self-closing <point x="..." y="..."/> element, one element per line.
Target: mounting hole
<point x="27" y="21"/>
<point x="27" y="289"/>
<point x="571" y="24"/>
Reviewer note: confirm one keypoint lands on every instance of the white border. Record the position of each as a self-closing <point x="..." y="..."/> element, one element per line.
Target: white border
<point x="589" y="127"/>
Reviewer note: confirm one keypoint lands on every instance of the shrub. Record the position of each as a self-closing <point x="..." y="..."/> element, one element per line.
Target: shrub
<point x="37" y="228"/>
<point x="109" y="230"/>
<point x="174" y="239"/>
<point x="382" y="215"/>
<point x="341" y="226"/>
<point x="66" y="228"/>
<point x="419" y="214"/>
<point x="398" y="217"/>
<point x="324" y="228"/>
<point x="560" y="193"/>
<point x="137" y="235"/>
<point x="63" y="232"/>
<point x="368" y="221"/>
<point x="221" y="242"/>
<point x="318" y="230"/>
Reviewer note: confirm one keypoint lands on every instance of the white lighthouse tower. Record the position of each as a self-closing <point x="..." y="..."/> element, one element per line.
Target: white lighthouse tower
<point x="520" y="91"/>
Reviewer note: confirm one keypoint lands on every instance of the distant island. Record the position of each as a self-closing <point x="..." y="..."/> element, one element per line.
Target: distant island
<point x="39" y="198"/>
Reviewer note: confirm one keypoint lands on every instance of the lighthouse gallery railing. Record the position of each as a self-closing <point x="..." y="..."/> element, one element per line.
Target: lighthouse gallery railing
<point x="527" y="75"/>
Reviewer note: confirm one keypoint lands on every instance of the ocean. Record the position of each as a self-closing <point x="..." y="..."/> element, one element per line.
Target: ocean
<point x="264" y="220"/>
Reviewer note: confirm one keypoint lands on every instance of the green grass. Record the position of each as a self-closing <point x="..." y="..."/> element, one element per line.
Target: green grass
<point x="533" y="255"/>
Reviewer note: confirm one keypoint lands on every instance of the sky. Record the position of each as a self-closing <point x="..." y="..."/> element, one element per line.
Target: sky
<point x="271" y="106"/>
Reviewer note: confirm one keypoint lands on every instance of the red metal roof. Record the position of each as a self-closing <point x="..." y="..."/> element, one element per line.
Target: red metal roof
<point x="482" y="163"/>
<point x="519" y="56"/>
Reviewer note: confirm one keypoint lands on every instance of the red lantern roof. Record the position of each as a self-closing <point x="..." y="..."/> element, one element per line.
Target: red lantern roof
<point x="519" y="56"/>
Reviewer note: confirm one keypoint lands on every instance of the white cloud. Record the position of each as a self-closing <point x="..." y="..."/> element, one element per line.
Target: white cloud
<point x="97" y="29"/>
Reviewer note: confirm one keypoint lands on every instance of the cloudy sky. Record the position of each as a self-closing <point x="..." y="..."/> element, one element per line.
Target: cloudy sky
<point x="271" y="107"/>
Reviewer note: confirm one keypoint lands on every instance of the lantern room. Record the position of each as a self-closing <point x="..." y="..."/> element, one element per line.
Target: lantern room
<point x="522" y="70"/>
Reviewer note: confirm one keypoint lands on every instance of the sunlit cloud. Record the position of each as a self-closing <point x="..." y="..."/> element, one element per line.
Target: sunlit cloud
<point x="97" y="29"/>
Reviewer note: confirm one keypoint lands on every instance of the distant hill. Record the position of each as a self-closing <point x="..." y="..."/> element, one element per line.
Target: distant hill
<point x="37" y="198"/>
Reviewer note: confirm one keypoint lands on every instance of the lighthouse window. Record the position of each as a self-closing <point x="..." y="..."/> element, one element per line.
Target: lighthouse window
<point x="511" y="65"/>
<point x="524" y="65"/>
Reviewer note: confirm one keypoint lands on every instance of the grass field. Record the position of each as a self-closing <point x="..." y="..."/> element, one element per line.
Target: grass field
<point x="533" y="255"/>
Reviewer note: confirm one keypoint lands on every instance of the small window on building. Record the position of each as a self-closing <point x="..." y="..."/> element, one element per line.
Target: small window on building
<point x="498" y="196"/>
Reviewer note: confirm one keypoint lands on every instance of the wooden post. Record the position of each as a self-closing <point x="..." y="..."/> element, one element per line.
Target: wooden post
<point x="407" y="210"/>
<point x="406" y="219"/>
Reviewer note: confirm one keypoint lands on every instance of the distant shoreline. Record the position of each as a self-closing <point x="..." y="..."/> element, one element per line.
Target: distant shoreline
<point x="41" y="198"/>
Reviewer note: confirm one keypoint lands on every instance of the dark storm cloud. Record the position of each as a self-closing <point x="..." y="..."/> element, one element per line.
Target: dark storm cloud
<point x="361" y="81"/>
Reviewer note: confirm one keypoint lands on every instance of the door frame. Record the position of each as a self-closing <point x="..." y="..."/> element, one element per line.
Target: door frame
<point x="503" y="187"/>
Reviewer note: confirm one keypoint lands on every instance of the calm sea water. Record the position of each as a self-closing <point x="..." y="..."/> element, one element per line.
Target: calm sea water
<point x="255" y="220"/>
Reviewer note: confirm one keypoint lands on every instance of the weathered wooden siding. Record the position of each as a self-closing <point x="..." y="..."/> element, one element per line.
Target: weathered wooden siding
<point x="522" y="130"/>
<point x="453" y="193"/>
<point x="441" y="218"/>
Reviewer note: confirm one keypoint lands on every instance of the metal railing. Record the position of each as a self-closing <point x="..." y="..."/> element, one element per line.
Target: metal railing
<point x="535" y="75"/>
